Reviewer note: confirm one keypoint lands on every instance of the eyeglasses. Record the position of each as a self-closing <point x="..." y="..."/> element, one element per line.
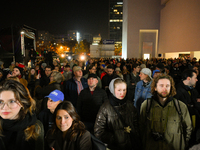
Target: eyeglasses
<point x="11" y="104"/>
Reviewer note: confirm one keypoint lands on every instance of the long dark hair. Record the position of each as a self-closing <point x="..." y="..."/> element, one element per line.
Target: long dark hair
<point x="77" y="126"/>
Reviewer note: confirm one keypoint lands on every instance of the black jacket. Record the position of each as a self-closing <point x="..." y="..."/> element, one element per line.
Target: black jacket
<point x="109" y="128"/>
<point x="190" y="100"/>
<point x="44" y="80"/>
<point x="46" y="117"/>
<point x="88" y="105"/>
<point x="55" y="140"/>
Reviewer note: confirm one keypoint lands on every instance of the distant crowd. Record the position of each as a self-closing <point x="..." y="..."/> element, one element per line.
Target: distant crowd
<point x="126" y="104"/>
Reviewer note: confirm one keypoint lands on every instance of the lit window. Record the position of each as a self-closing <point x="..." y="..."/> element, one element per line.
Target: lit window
<point x="114" y="28"/>
<point x="118" y="27"/>
<point x="115" y="10"/>
<point x="121" y="20"/>
<point x="120" y="3"/>
<point x="41" y="34"/>
<point x="121" y="12"/>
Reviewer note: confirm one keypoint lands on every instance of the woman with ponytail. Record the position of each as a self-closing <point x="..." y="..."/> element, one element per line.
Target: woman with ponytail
<point x="68" y="132"/>
<point x="19" y="127"/>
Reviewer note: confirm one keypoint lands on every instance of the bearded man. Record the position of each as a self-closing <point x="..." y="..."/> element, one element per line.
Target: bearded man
<point x="165" y="121"/>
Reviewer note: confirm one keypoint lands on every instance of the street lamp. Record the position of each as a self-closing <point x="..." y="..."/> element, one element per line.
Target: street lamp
<point x="82" y="57"/>
<point x="62" y="55"/>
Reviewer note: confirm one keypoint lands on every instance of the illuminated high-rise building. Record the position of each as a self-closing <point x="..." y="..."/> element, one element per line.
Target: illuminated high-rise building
<point x="116" y="20"/>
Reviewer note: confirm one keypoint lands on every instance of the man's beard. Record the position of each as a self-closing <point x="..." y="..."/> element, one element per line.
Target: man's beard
<point x="163" y="96"/>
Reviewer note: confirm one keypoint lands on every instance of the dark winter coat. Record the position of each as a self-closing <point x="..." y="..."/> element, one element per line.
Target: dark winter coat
<point x="70" y="90"/>
<point x="110" y="129"/>
<point x="46" y="117"/>
<point x="190" y="100"/>
<point x="88" y="105"/>
<point x="55" y="140"/>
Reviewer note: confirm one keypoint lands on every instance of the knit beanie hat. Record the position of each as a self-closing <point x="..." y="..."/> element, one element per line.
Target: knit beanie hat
<point x="146" y="71"/>
<point x="20" y="69"/>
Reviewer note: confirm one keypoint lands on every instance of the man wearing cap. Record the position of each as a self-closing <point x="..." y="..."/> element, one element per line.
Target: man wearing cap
<point x="93" y="69"/>
<point x="18" y="72"/>
<point x="156" y="73"/>
<point x="46" y="116"/>
<point x="143" y="88"/>
<point x="89" y="101"/>
<point x="75" y="85"/>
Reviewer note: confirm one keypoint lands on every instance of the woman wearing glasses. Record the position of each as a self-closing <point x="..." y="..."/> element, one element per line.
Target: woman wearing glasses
<point x="19" y="127"/>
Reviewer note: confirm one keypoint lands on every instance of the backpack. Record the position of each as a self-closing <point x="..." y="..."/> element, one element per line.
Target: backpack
<point x="176" y="104"/>
<point x="178" y="109"/>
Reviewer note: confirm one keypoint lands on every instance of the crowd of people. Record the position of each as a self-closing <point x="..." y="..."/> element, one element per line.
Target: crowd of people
<point x="127" y="104"/>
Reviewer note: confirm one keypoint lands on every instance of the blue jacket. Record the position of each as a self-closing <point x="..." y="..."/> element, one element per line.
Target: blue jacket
<point x="70" y="90"/>
<point x="141" y="94"/>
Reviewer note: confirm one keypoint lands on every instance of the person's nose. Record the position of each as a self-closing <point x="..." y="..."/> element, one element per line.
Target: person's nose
<point x="5" y="106"/>
<point x="62" y="121"/>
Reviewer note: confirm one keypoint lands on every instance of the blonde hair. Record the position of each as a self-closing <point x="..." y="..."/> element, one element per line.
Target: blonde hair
<point x="57" y="77"/>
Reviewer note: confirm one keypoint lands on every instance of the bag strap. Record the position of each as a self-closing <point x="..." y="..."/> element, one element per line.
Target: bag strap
<point x="149" y="102"/>
<point x="178" y="108"/>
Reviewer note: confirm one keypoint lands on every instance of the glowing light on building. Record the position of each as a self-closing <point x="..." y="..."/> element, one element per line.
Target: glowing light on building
<point x="78" y="37"/>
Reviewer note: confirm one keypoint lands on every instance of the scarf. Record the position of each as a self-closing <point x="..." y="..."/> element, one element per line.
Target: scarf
<point x="13" y="131"/>
<point x="117" y="102"/>
<point x="113" y="100"/>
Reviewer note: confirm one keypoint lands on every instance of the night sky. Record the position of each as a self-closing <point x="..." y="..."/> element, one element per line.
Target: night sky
<point x="57" y="17"/>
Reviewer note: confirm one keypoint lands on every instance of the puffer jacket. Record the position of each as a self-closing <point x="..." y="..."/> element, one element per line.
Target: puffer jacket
<point x="165" y="119"/>
<point x="109" y="128"/>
